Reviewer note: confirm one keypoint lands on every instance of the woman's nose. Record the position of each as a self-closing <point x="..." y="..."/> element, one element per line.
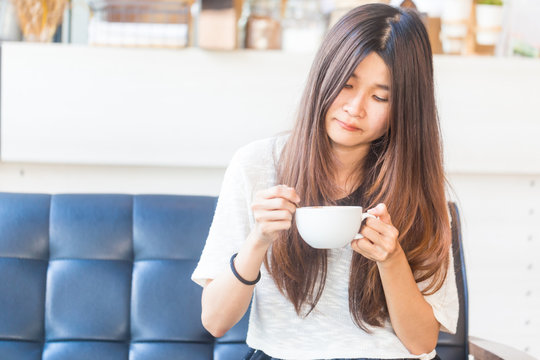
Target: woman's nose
<point x="355" y="106"/>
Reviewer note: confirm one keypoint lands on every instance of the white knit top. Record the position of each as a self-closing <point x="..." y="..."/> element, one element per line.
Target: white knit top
<point x="329" y="331"/>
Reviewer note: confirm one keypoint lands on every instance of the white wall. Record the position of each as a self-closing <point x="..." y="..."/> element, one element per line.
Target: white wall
<point x="488" y="115"/>
<point x="120" y="106"/>
<point x="501" y="217"/>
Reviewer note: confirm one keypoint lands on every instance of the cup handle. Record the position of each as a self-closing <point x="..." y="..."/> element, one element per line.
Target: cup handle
<point x="364" y="217"/>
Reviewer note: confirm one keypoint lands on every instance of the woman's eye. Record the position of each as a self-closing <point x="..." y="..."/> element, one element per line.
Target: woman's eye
<point x="347" y="86"/>
<point x="380" y="98"/>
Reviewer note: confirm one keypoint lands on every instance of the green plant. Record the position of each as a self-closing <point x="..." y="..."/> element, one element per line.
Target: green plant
<point x="490" y="2"/>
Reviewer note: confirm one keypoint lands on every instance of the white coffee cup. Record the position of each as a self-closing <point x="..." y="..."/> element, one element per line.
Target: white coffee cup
<point x="330" y="227"/>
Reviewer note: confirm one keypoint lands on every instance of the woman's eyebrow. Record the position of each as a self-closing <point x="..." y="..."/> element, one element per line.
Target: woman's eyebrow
<point x="380" y="86"/>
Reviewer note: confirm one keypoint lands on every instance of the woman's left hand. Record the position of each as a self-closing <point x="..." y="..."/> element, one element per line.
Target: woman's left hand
<point x="380" y="242"/>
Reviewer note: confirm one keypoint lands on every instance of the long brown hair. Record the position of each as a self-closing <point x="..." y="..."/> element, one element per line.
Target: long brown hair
<point x="403" y="168"/>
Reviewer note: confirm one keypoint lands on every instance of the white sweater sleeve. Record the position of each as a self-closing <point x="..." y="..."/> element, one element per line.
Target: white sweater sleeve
<point x="230" y="226"/>
<point x="445" y="301"/>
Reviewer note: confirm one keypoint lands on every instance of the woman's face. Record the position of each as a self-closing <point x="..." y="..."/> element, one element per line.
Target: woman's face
<point x="359" y="114"/>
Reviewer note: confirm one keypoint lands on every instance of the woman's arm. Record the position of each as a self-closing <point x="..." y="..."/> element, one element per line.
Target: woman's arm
<point x="411" y="316"/>
<point x="225" y="299"/>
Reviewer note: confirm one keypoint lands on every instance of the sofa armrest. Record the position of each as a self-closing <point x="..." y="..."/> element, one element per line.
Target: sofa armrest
<point x="483" y="349"/>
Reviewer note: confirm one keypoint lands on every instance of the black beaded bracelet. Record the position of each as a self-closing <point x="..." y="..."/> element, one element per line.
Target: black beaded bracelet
<point x="241" y="279"/>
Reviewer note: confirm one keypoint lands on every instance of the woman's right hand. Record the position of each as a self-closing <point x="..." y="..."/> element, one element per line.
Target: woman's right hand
<point x="273" y="210"/>
<point x="225" y="299"/>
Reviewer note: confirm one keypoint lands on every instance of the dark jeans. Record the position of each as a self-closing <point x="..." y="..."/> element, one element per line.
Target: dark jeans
<point x="259" y="355"/>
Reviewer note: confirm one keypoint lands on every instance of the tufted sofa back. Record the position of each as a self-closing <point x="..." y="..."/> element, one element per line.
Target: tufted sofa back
<point x="104" y="277"/>
<point x="99" y="277"/>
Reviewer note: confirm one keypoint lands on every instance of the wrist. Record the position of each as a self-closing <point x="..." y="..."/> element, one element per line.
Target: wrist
<point x="239" y="277"/>
<point x="395" y="259"/>
<point x="257" y="242"/>
<point x="248" y="261"/>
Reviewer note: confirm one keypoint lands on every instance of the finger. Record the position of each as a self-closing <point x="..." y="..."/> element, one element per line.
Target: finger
<point x="368" y="250"/>
<point x="381" y="227"/>
<point x="382" y="213"/>
<point x="274" y="204"/>
<point x="282" y="191"/>
<point x="275" y="215"/>
<point x="270" y="227"/>
<point x="364" y="247"/>
<point x="385" y="244"/>
<point x="386" y="238"/>
<point x="371" y="235"/>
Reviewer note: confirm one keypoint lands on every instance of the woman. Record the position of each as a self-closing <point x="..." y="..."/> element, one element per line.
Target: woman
<point x="366" y="134"/>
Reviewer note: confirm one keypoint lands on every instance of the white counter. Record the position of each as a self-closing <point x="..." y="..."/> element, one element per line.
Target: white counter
<point x="88" y="105"/>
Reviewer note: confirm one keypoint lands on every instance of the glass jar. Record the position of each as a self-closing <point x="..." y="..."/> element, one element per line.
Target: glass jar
<point x="303" y="25"/>
<point x="217" y="25"/>
<point x="262" y="27"/>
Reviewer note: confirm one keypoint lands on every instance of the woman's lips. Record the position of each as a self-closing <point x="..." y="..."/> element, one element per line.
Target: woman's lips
<point x="347" y="126"/>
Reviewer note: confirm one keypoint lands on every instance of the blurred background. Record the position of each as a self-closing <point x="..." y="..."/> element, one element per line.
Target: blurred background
<point x="154" y="96"/>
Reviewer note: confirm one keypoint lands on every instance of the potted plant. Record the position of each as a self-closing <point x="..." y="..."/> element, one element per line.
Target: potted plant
<point x="489" y="19"/>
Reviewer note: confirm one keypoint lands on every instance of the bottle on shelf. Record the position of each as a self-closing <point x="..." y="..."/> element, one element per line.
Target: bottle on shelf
<point x="260" y="24"/>
<point x="217" y="28"/>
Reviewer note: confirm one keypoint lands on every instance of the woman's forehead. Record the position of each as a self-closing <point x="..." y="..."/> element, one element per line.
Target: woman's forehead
<point x="372" y="69"/>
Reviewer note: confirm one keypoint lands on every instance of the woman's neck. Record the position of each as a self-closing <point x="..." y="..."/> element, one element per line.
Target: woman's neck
<point x="349" y="161"/>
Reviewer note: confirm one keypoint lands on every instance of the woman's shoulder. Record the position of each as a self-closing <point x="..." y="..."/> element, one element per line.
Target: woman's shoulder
<point x="263" y="152"/>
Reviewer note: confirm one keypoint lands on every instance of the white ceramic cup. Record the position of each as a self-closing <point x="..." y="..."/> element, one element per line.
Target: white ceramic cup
<point x="330" y="227"/>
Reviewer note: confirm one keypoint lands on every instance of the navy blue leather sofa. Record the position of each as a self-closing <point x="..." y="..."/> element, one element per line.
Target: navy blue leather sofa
<point x="99" y="277"/>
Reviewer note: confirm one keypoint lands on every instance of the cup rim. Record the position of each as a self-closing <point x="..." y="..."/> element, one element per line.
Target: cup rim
<point x="329" y="207"/>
